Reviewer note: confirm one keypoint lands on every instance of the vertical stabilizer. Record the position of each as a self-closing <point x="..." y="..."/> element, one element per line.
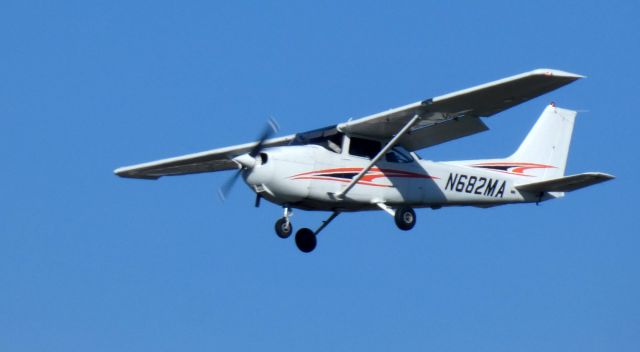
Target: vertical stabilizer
<point x="548" y="142"/>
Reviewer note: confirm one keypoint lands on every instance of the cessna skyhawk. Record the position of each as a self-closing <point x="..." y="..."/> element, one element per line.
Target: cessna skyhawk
<point x="370" y="163"/>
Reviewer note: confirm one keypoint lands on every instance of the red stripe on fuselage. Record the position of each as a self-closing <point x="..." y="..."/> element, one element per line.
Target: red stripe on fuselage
<point x="367" y="179"/>
<point x="318" y="178"/>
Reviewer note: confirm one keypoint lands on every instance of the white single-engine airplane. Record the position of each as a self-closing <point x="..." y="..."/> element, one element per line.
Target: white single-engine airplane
<point x="370" y="163"/>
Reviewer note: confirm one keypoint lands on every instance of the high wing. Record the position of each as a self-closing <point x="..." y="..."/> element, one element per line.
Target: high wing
<point x="442" y="119"/>
<point x="208" y="161"/>
<point x="455" y="115"/>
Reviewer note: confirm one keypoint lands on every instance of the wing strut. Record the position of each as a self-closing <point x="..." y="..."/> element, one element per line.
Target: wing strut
<point x="382" y="152"/>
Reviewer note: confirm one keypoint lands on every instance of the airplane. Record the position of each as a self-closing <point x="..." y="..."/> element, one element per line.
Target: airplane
<point x="371" y="163"/>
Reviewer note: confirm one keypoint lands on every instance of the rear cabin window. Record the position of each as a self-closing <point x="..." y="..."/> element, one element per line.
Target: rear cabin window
<point x="364" y="147"/>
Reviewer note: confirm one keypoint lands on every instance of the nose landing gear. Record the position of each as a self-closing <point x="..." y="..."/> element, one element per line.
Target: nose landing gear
<point x="283" y="228"/>
<point x="283" y="225"/>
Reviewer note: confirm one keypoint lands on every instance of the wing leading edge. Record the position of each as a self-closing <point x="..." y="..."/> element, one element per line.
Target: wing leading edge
<point x="207" y="161"/>
<point x="455" y="115"/>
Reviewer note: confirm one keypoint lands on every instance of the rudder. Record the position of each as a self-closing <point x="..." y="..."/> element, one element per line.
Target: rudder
<point x="548" y="142"/>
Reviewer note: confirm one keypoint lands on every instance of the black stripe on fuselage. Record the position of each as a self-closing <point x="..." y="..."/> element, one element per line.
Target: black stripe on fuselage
<point x="346" y="175"/>
<point x="497" y="167"/>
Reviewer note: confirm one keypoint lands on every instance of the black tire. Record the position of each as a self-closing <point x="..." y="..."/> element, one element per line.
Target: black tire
<point x="405" y="218"/>
<point x="306" y="240"/>
<point x="282" y="229"/>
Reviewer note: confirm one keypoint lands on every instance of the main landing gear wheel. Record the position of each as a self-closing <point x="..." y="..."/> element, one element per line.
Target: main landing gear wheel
<point x="283" y="228"/>
<point x="405" y="218"/>
<point x="306" y="240"/>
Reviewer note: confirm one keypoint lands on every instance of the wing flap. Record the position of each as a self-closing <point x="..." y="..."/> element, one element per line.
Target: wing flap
<point x="567" y="183"/>
<point x="442" y="132"/>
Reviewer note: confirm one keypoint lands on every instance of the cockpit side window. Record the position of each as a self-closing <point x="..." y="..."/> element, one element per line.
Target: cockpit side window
<point x="332" y="143"/>
<point x="364" y="147"/>
<point x="398" y="155"/>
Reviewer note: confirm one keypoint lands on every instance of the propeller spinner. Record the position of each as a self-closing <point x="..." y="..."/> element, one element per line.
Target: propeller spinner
<point x="248" y="161"/>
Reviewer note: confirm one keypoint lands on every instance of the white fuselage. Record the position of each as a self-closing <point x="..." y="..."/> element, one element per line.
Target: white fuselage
<point x="309" y="176"/>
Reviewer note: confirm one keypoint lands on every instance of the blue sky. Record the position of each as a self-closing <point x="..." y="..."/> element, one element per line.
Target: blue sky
<point x="89" y="261"/>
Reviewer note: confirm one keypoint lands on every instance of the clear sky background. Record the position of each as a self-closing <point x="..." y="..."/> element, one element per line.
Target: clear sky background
<point x="92" y="262"/>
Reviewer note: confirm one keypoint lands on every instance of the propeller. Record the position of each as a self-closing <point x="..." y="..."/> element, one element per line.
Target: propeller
<point x="247" y="161"/>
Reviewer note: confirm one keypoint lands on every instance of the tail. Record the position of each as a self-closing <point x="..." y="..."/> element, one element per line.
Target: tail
<point x="546" y="147"/>
<point x="543" y="155"/>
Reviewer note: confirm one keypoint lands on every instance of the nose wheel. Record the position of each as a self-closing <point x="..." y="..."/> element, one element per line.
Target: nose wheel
<point x="283" y="228"/>
<point x="283" y="225"/>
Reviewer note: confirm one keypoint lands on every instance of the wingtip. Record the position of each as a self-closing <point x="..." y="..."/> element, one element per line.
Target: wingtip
<point x="124" y="172"/>
<point x="601" y="175"/>
<point x="557" y="73"/>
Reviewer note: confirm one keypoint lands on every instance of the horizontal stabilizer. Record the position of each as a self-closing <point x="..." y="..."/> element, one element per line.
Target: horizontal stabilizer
<point x="567" y="183"/>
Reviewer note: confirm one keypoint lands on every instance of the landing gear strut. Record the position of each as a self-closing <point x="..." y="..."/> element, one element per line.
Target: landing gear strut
<point x="283" y="225"/>
<point x="306" y="239"/>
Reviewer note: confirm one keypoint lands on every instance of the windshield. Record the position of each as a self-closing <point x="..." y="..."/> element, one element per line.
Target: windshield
<point x="328" y="138"/>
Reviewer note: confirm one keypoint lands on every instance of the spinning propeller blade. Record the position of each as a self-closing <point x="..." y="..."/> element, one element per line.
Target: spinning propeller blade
<point x="225" y="189"/>
<point x="270" y="129"/>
